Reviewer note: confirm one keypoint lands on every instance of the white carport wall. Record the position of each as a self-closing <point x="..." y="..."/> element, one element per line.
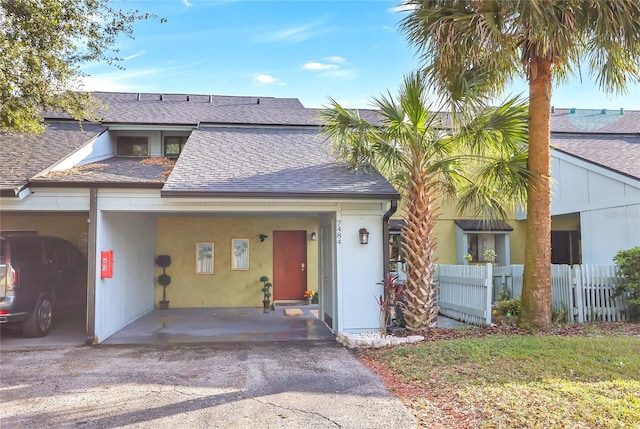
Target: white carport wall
<point x="359" y="269"/>
<point x="129" y="294"/>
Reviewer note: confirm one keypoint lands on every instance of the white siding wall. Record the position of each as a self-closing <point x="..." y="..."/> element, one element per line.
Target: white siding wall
<point x="608" y="203"/>
<point x="130" y="293"/>
<point x="360" y="267"/>
<point x="102" y="147"/>
<point x="606" y="231"/>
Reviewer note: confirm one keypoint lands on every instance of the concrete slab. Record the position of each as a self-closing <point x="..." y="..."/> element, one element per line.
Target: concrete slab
<point x="215" y="325"/>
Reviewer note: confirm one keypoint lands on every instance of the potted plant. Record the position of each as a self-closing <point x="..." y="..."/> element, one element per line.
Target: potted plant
<point x="163" y="279"/>
<point x="308" y="295"/>
<point x="266" y="293"/>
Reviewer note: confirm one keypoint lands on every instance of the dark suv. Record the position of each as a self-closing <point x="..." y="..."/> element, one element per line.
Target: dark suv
<point x="38" y="275"/>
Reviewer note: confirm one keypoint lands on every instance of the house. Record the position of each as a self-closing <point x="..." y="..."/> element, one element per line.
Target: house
<point x="230" y="188"/>
<point x="596" y="192"/>
<point x="595" y="168"/>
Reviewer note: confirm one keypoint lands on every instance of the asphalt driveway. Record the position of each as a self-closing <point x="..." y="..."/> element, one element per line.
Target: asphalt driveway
<point x="242" y="385"/>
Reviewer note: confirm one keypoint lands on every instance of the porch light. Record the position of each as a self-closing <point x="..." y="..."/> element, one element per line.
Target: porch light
<point x="313" y="237"/>
<point x="364" y="236"/>
<point x="262" y="236"/>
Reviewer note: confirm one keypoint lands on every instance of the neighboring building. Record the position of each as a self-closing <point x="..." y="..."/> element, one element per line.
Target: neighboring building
<point x="231" y="188"/>
<point x="595" y="167"/>
<point x="596" y="193"/>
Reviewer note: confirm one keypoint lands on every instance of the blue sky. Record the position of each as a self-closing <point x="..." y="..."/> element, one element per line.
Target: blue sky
<point x="349" y="50"/>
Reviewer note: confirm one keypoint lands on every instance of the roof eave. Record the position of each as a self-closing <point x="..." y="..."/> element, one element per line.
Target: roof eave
<point x="279" y="195"/>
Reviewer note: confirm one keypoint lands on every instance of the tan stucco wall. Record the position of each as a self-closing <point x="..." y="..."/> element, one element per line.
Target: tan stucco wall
<point x="570" y="222"/>
<point x="70" y="226"/>
<point x="177" y="237"/>
<point x="445" y="232"/>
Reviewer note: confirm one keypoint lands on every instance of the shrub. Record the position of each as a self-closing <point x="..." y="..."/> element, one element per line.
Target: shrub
<point x="629" y="263"/>
<point x="510" y="306"/>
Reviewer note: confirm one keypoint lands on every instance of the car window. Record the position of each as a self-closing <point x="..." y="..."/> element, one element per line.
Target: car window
<point x="3" y="252"/>
<point x="73" y="254"/>
<point x="28" y="251"/>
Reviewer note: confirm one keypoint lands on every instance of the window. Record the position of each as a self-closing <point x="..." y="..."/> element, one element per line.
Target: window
<point x="480" y="243"/>
<point x="173" y="145"/>
<point x="132" y="146"/>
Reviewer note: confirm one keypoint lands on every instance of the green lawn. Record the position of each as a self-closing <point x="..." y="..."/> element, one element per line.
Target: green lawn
<point x="502" y="381"/>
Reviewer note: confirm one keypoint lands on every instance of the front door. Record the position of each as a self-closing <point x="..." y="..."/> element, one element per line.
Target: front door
<point x="289" y="265"/>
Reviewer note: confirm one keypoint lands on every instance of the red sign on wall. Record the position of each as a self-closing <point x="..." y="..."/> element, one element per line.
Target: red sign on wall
<point x="106" y="264"/>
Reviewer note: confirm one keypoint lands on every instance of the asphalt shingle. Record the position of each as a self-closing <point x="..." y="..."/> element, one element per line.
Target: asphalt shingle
<point x="22" y="156"/>
<point x="267" y="162"/>
<point x="617" y="153"/>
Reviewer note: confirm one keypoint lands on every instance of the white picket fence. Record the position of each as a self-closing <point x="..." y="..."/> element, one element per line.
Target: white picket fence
<point x="585" y="292"/>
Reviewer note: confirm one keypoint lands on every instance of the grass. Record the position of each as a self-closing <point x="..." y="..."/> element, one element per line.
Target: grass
<point x="528" y="381"/>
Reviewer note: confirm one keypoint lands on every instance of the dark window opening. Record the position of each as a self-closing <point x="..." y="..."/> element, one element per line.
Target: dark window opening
<point x="173" y="145"/>
<point x="565" y="247"/>
<point x="132" y="146"/>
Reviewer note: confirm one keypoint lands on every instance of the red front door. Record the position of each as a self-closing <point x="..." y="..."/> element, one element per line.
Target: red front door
<point x="289" y="265"/>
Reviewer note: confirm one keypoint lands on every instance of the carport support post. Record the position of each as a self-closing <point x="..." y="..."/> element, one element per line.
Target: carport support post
<point x="385" y="237"/>
<point x="91" y="269"/>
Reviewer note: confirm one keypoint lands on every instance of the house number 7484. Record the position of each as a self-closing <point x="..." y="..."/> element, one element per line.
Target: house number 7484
<point x="339" y="232"/>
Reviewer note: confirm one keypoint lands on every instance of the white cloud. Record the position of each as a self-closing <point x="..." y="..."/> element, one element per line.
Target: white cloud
<point x="336" y="59"/>
<point x="266" y="79"/>
<point x="312" y="65"/>
<point x="117" y="81"/>
<point x="292" y="34"/>
<point x="187" y="3"/>
<point x="136" y="55"/>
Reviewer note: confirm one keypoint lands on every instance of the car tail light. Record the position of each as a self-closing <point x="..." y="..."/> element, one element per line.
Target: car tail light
<point x="3" y="312"/>
<point x="12" y="279"/>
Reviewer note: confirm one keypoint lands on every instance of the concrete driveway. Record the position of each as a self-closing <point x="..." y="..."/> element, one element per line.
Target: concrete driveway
<point x="312" y="384"/>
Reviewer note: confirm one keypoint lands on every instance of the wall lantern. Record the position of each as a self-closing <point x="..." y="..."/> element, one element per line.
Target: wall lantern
<point x="364" y="236"/>
<point x="262" y="236"/>
<point x="313" y="236"/>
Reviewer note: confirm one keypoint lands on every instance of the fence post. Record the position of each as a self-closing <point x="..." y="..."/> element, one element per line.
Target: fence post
<point x="576" y="274"/>
<point x="488" y="281"/>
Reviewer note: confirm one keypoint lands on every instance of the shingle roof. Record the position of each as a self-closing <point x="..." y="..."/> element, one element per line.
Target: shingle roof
<point x="22" y="156"/>
<point x="481" y="225"/>
<point x="114" y="172"/>
<point x="617" y="153"/>
<point x="595" y="121"/>
<point x="267" y="162"/>
<point x="183" y="109"/>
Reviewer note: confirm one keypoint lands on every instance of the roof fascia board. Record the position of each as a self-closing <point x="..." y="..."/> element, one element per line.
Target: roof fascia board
<point x="79" y="184"/>
<point x="148" y="127"/>
<point x="280" y="195"/>
<point x="270" y="126"/>
<point x="589" y="165"/>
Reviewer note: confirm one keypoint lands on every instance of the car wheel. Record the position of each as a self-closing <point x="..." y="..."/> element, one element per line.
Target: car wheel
<point x="39" y="322"/>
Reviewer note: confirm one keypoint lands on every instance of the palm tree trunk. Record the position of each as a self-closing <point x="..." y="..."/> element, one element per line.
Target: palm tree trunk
<point x="536" y="289"/>
<point x="420" y="213"/>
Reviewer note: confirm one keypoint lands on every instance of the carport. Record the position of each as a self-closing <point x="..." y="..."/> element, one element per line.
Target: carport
<point x="192" y="326"/>
<point x="215" y="325"/>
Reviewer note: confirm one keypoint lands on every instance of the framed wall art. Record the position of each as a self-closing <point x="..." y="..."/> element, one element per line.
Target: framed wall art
<point x="204" y="258"/>
<point x="240" y="254"/>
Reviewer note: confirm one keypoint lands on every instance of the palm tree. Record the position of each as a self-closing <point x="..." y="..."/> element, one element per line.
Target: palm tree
<point x="479" y="158"/>
<point x="479" y="46"/>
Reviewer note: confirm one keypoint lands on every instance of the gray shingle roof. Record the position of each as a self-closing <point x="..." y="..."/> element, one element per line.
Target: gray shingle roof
<point x="617" y="153"/>
<point x="23" y="156"/>
<point x="594" y="121"/>
<point x="133" y="108"/>
<point x="113" y="171"/>
<point x="267" y="162"/>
